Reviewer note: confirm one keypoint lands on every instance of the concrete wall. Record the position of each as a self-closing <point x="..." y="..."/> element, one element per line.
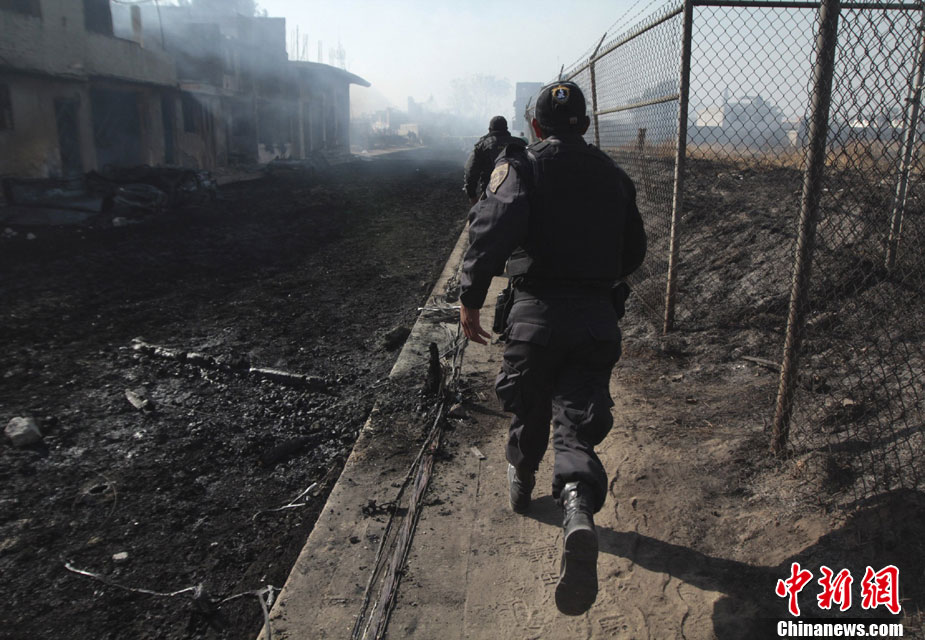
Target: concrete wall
<point x="55" y="58"/>
<point x="207" y="146"/>
<point x="152" y="126"/>
<point x="149" y="137"/>
<point x="58" y="44"/>
<point x="31" y="147"/>
<point x="324" y="100"/>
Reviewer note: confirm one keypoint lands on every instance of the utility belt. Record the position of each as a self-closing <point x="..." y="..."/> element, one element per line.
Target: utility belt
<point x="532" y="284"/>
<point x="618" y="293"/>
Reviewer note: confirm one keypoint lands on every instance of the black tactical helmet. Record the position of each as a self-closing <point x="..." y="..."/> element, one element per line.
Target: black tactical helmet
<point x="498" y="123"/>
<point x="560" y="106"/>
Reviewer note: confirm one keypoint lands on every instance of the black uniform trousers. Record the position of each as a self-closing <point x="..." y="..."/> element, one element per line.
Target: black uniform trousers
<point x="560" y="352"/>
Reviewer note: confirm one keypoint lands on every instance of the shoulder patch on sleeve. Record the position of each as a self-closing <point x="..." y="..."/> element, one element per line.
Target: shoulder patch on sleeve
<point x="498" y="176"/>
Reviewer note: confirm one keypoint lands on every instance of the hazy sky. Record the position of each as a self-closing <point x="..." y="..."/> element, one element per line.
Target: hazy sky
<point x="415" y="47"/>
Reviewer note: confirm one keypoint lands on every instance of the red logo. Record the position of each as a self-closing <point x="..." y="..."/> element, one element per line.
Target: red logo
<point x="798" y="579"/>
<point x="837" y="590"/>
<point x="878" y="588"/>
<point x="881" y="588"/>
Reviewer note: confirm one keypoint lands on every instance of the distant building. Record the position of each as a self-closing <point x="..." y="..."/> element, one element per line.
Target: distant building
<point x="710" y="117"/>
<point x="750" y="122"/>
<point x="84" y="84"/>
<point x="524" y="93"/>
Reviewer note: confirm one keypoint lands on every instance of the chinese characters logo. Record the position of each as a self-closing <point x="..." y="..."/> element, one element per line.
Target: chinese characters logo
<point x="878" y="588"/>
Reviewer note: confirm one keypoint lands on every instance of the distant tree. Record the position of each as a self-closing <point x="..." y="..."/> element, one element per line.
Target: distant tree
<point x="481" y="97"/>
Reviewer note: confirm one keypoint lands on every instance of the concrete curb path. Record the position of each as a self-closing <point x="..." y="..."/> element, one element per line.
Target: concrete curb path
<point x="475" y="569"/>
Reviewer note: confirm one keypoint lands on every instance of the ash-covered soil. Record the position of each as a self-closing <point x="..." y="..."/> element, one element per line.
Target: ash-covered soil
<point x="315" y="277"/>
<point x="857" y="428"/>
<point x="847" y="492"/>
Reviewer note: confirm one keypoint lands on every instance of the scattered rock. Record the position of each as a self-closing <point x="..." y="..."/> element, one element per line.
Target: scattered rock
<point x="139" y="399"/>
<point x="235" y="361"/>
<point x="395" y="338"/>
<point x="23" y="432"/>
<point x="822" y="321"/>
<point x="8" y="544"/>
<point x="200" y="359"/>
<point x="120" y="558"/>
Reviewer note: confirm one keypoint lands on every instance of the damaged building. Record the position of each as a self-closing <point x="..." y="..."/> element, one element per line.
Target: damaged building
<point x="85" y="84"/>
<point x="73" y="96"/>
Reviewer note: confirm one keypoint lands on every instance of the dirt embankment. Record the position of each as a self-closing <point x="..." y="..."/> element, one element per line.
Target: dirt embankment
<point x="316" y="278"/>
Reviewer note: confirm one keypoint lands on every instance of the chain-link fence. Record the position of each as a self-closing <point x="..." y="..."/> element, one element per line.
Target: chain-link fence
<point x="632" y="80"/>
<point x="811" y="252"/>
<point x="861" y="418"/>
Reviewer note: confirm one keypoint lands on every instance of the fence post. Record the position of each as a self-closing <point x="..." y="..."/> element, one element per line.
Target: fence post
<point x="591" y="61"/>
<point x="641" y="162"/>
<point x="910" y="120"/>
<point x="826" y="40"/>
<point x="679" y="166"/>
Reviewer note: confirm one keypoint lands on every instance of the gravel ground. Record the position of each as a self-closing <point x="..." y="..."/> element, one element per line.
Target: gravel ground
<point x="320" y="278"/>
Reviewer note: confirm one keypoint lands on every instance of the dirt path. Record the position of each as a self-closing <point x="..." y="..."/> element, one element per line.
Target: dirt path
<point x="673" y="548"/>
<point x="698" y="527"/>
<point x="699" y="524"/>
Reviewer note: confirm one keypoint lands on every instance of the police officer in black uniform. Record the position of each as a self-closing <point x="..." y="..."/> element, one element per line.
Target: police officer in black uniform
<point x="564" y="218"/>
<point x="482" y="159"/>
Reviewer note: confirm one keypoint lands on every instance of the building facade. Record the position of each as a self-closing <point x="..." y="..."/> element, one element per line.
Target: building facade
<point x="85" y="84"/>
<point x="73" y="96"/>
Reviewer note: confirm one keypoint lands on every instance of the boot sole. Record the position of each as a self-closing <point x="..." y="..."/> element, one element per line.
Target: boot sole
<point x="577" y="587"/>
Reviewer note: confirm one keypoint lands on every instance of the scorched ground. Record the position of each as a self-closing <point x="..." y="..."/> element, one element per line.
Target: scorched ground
<point x="318" y="277"/>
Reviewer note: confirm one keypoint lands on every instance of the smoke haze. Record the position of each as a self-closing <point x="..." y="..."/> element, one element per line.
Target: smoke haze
<point x="423" y="49"/>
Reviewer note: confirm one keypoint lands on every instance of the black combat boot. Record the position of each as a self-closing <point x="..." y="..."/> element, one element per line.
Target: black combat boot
<point x="521" y="485"/>
<point x="577" y="588"/>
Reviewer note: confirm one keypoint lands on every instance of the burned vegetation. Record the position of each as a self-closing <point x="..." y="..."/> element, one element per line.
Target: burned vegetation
<point x="198" y="380"/>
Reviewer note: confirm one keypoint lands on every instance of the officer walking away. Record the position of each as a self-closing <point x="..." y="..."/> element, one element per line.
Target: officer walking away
<point x="564" y="218"/>
<point x="482" y="159"/>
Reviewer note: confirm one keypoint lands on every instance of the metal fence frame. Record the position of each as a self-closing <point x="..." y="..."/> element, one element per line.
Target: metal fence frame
<point x="813" y="164"/>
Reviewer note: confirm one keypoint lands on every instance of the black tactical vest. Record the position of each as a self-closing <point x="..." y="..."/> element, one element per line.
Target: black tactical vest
<point x="578" y="206"/>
